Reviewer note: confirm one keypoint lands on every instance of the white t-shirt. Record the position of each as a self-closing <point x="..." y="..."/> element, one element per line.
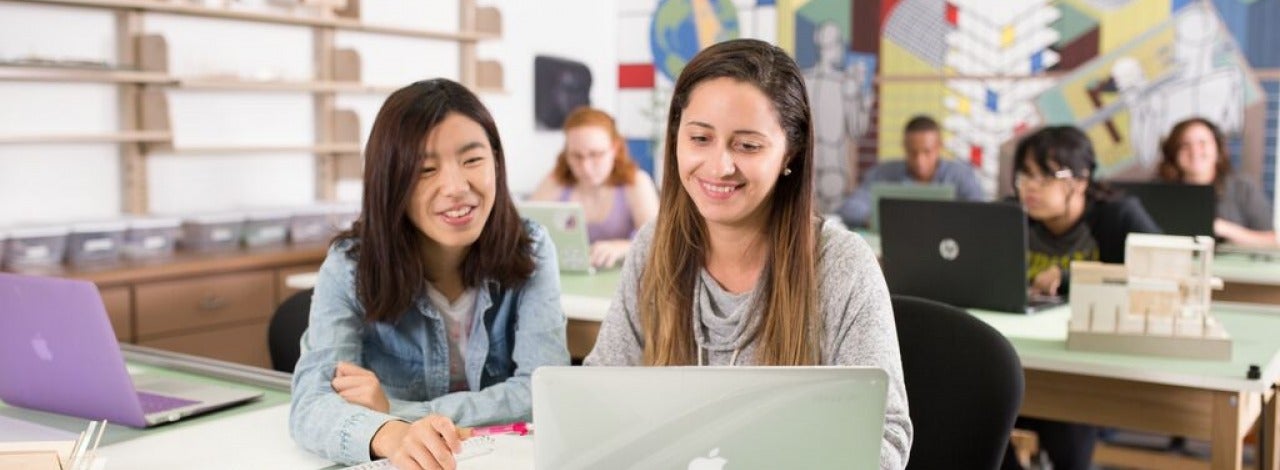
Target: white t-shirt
<point x="457" y="322"/>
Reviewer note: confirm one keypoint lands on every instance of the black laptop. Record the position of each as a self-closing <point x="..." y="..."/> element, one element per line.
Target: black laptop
<point x="1179" y="209"/>
<point x="967" y="254"/>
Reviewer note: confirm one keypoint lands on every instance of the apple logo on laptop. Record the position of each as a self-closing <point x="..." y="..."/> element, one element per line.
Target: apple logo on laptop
<point x="712" y="461"/>
<point x="41" y="347"/>
<point x="949" y="249"/>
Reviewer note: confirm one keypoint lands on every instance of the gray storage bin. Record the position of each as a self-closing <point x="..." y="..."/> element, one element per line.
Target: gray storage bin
<point x="95" y="243"/>
<point x="152" y="237"/>
<point x="268" y="228"/>
<point x="35" y="247"/>
<point x="212" y="232"/>
<point x="310" y="225"/>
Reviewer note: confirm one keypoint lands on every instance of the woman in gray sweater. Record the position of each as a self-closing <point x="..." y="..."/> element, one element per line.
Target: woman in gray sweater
<point x="738" y="270"/>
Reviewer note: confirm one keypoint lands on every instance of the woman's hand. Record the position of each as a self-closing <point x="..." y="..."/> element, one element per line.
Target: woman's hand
<point x="1047" y="282"/>
<point x="359" y="386"/>
<point x="428" y="444"/>
<point x="608" y="253"/>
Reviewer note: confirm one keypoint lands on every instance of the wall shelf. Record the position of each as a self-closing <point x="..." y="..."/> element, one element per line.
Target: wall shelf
<point x="327" y="149"/>
<point x="144" y="79"/>
<point x="67" y="74"/>
<point x="270" y="17"/>
<point x="108" y="138"/>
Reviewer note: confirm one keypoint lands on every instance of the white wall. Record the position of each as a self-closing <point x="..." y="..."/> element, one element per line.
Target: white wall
<point x="76" y="182"/>
<point x="585" y="31"/>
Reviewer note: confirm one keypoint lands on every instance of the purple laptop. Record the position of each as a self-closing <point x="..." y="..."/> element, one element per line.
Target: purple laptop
<point x="58" y="353"/>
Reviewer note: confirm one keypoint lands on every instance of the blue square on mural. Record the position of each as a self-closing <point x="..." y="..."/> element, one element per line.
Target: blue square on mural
<point x="641" y="151"/>
<point x="993" y="101"/>
<point x="1037" y="62"/>
<point x="1176" y="5"/>
<point x="766" y="3"/>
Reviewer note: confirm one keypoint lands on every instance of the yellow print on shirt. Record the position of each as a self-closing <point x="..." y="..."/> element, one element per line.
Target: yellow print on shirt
<point x="1039" y="262"/>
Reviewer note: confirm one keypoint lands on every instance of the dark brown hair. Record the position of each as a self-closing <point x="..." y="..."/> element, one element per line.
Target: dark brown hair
<point x="790" y="324"/>
<point x="390" y="271"/>
<point x="1169" y="169"/>
<point x="624" y="169"/>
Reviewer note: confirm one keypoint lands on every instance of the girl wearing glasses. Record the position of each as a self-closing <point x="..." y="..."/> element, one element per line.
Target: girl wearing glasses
<point x="1071" y="217"/>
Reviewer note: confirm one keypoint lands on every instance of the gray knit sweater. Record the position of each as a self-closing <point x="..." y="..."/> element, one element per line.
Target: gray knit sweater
<point x="853" y="298"/>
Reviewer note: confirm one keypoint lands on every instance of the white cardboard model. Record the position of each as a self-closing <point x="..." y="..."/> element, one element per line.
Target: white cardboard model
<point x="1157" y="303"/>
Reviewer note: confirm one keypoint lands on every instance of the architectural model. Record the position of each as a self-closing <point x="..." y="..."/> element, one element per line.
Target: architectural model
<point x="1157" y="303"/>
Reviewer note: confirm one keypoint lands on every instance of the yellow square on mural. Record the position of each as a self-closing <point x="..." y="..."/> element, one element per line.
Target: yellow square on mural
<point x="1006" y="36"/>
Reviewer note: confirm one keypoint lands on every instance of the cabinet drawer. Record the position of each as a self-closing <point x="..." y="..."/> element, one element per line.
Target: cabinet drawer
<point x="242" y="344"/>
<point x="172" y="306"/>
<point x="120" y="309"/>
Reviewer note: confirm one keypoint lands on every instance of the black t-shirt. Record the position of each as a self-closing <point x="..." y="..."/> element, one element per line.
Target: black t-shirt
<point x="1099" y="235"/>
<point x="1045" y="249"/>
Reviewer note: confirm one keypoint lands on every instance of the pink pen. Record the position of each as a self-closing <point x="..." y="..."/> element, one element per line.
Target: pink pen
<point x="519" y="428"/>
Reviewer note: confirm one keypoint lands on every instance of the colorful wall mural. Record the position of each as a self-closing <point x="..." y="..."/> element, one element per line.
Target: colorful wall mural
<point x="988" y="70"/>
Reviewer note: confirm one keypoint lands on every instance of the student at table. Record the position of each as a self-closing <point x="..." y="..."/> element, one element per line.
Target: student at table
<point x="739" y="269"/>
<point x="1195" y="153"/>
<point x="435" y="308"/>
<point x="1070" y="217"/>
<point x="595" y="170"/>
<point x="922" y="164"/>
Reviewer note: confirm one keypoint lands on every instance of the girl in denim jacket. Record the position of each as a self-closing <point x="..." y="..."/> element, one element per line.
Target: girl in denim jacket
<point x="436" y="307"/>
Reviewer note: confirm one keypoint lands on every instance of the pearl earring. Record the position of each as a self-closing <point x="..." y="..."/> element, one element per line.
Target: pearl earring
<point x="786" y="172"/>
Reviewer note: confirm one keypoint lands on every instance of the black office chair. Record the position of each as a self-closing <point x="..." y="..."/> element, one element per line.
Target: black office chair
<point x="286" y="328"/>
<point x="964" y="385"/>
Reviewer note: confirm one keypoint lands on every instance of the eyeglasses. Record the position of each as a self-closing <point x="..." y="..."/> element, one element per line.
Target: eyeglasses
<point x="1023" y="180"/>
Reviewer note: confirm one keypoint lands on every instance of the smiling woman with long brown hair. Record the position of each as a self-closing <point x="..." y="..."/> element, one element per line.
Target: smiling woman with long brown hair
<point x="738" y="269"/>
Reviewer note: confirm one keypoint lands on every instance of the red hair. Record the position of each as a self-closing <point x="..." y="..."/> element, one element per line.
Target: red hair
<point x="624" y="169"/>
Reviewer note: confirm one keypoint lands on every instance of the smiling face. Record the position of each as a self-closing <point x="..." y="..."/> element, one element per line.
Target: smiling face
<point x="590" y="152"/>
<point x="1198" y="155"/>
<point x="730" y="150"/>
<point x="455" y="190"/>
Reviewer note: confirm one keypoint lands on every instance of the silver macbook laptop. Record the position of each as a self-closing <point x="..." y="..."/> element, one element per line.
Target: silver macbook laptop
<point x="566" y="222"/>
<point x="58" y="353"/>
<point x="708" y="417"/>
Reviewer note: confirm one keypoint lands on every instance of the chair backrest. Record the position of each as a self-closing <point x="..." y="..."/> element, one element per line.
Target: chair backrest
<point x="964" y="384"/>
<point x="286" y="328"/>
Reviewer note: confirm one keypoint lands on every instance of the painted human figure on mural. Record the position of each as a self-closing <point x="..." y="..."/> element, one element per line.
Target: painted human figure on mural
<point x="841" y="114"/>
<point x="1193" y="86"/>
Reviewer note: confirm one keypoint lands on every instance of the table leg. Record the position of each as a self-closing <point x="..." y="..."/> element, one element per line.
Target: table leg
<point x="1269" y="432"/>
<point x="1227" y="448"/>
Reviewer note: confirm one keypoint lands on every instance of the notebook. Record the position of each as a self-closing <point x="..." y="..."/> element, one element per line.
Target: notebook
<point x="1179" y="209"/>
<point x="931" y="192"/>
<point x="566" y="223"/>
<point x="58" y="353"/>
<point x="967" y="254"/>
<point x="700" y="417"/>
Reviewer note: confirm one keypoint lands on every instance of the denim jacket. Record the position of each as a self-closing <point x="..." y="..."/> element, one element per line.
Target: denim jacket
<point x="513" y="332"/>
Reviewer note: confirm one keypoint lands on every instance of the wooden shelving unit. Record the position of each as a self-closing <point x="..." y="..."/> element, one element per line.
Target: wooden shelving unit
<point x="143" y="77"/>
<point x="113" y="138"/>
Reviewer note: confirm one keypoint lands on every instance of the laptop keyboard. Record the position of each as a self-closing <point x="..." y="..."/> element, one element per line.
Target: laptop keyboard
<point x="152" y="403"/>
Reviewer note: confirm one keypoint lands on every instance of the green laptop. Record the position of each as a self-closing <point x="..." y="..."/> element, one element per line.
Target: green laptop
<point x="929" y="192"/>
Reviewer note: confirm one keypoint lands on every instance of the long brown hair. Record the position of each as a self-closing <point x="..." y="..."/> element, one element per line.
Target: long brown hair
<point x="790" y="325"/>
<point x="390" y="271"/>
<point x="624" y="169"/>
<point x="1170" y="171"/>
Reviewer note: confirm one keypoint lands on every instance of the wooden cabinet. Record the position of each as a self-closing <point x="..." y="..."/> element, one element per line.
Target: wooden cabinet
<point x="119" y="303"/>
<point x="195" y="304"/>
<point x="215" y="306"/>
